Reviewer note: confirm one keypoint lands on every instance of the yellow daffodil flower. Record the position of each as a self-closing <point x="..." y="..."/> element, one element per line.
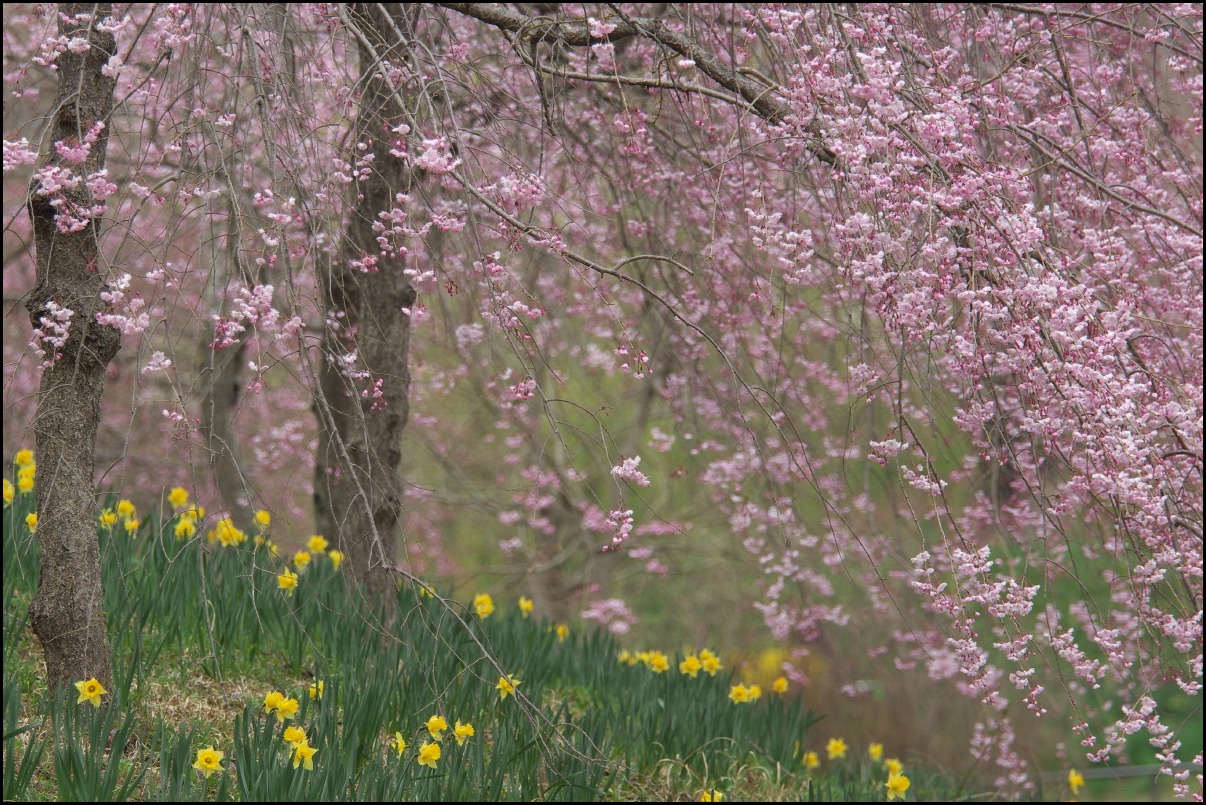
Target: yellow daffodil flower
<point x="178" y="497"/>
<point x="316" y="689"/>
<point x="303" y="754"/>
<point x="287" y="581"/>
<point x="185" y="529"/>
<point x="690" y="666"/>
<point x="780" y="685"/>
<point x="875" y="751"/>
<point x="811" y="760"/>
<point x="897" y="785"/>
<point x="23" y="458"/>
<point x="436" y="726"/>
<point x="286" y="709"/>
<point x="317" y="544"/>
<point x="295" y="736"/>
<point x="31" y="522"/>
<point x="272" y="700"/>
<point x="336" y="558"/>
<point x="526" y="605"/>
<point x="506" y="686"/>
<point x="209" y="760"/>
<point x="429" y="754"/>
<point x="836" y="748"/>
<point x="398" y="744"/>
<point x="483" y="604"/>
<point x="1076" y="781"/>
<point x="90" y="691"/>
<point x="893" y="766"/>
<point x="711" y="795"/>
<point x="463" y="732"/>
<point x="739" y="694"/>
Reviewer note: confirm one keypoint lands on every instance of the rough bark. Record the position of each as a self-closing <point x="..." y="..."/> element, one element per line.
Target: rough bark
<point x="68" y="610"/>
<point x="357" y="488"/>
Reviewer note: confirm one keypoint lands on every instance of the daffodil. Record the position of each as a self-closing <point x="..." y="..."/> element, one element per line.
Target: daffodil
<point x="209" y="760"/>
<point x="90" y="691"/>
<point x="263" y="518"/>
<point x="755" y="692"/>
<point x="710" y="662"/>
<point x="31" y="522"/>
<point x="429" y="754"/>
<point x="526" y="605"/>
<point x="811" y="760"/>
<point x="287" y="581"/>
<point x="301" y="560"/>
<point x="893" y="766"/>
<point x="286" y="709"/>
<point x="626" y="657"/>
<point x="227" y="533"/>
<point x="562" y="632"/>
<point x="658" y="662"/>
<point x="436" y="726"/>
<point x="836" y="748"/>
<point x="317" y="544"/>
<point x="690" y="666"/>
<point x="185" y="529"/>
<point x="295" y="736"/>
<point x="711" y="795"/>
<point x="303" y="755"/>
<point x="1075" y="781"/>
<point x="25" y="479"/>
<point x="316" y="689"/>
<point x="336" y="558"/>
<point x="876" y="751"/>
<point x="506" y="686"/>
<point x="132" y="526"/>
<point x="897" y="785"/>
<point x="780" y="685"/>
<point x="23" y="458"/>
<point x="272" y="700"/>
<point x="126" y="509"/>
<point x="463" y="732"/>
<point x="483" y="604"/>
<point x="398" y="744"/>
<point x="739" y="694"/>
<point x="10" y="492"/>
<point x="178" y="497"/>
<point x="108" y="518"/>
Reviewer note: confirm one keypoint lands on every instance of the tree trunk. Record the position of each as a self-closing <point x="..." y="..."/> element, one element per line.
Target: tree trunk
<point x="68" y="612"/>
<point x="357" y="489"/>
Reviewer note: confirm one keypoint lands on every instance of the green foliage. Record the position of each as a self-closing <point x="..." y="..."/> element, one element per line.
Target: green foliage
<point x="582" y="726"/>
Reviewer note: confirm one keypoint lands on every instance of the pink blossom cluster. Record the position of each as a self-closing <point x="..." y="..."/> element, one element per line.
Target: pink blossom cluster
<point x="53" y="333"/>
<point x="126" y="311"/>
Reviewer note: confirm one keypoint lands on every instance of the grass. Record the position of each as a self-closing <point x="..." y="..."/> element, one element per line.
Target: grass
<point x="202" y="632"/>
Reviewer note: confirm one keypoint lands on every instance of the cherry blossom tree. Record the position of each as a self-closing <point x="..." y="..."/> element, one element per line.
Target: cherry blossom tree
<point x="904" y="301"/>
<point x="66" y="198"/>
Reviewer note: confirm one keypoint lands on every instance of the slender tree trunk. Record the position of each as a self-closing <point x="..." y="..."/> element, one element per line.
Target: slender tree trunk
<point x="222" y="370"/>
<point x="68" y="611"/>
<point x="357" y="489"/>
